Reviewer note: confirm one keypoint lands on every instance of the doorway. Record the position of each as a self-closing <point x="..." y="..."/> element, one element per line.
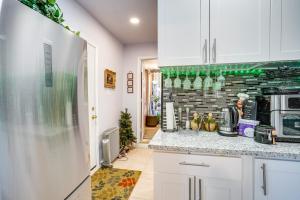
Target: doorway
<point x="150" y="99"/>
<point x="92" y="101"/>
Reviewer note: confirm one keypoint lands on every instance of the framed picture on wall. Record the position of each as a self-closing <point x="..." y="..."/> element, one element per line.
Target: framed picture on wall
<point x="130" y="76"/>
<point x="129" y="90"/>
<point x="130" y="83"/>
<point x="109" y="79"/>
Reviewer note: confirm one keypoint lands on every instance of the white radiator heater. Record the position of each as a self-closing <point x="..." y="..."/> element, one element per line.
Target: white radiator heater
<point x="110" y="146"/>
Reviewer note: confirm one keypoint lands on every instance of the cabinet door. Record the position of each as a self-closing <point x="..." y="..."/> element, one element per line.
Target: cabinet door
<point x="216" y="189"/>
<point x="173" y="186"/>
<point x="277" y="180"/>
<point x="285" y="30"/>
<point x="183" y="27"/>
<point x="239" y="30"/>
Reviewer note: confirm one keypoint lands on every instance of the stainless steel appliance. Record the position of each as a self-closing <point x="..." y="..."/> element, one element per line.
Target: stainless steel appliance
<point x="285" y="117"/>
<point x="44" y="143"/>
<point x="110" y="146"/>
<point x="229" y="121"/>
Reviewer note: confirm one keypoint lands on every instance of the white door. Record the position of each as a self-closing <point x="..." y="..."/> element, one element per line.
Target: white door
<point x="173" y="187"/>
<point x="183" y="30"/>
<point x="143" y="100"/>
<point x="277" y="180"/>
<point x="92" y="91"/>
<point x="216" y="189"/>
<point x="285" y="30"/>
<point x="239" y="30"/>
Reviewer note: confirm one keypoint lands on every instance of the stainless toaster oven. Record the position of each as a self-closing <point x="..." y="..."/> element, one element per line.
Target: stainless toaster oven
<point x="285" y="117"/>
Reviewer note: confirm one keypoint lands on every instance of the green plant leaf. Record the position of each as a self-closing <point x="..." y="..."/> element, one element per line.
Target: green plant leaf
<point x="51" y="1"/>
<point x="50" y="9"/>
<point x="27" y="3"/>
<point x="36" y="8"/>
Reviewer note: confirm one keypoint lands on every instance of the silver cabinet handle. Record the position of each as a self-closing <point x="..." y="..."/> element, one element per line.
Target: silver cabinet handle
<point x="264" y="186"/>
<point x="195" y="164"/>
<point x="190" y="188"/>
<point x="200" y="192"/>
<point x="205" y="52"/>
<point x="195" y="179"/>
<point x="214" y="51"/>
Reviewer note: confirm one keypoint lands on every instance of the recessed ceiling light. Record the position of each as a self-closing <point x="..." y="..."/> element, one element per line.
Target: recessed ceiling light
<point x="134" y="20"/>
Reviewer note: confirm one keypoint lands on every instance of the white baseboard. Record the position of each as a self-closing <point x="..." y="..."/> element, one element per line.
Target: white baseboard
<point x="94" y="170"/>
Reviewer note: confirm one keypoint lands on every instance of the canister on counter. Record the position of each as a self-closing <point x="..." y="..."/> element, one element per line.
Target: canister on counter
<point x="247" y="127"/>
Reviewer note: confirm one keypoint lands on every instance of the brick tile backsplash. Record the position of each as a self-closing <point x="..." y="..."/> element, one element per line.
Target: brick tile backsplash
<point x="198" y="102"/>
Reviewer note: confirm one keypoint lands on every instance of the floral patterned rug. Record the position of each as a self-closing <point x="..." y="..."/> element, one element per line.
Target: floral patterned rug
<point x="113" y="184"/>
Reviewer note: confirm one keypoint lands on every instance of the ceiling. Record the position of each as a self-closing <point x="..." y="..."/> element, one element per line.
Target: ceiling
<point x="114" y="16"/>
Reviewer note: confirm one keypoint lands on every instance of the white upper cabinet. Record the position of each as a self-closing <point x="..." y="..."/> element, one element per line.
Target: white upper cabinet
<point x="239" y="30"/>
<point x="195" y="32"/>
<point x="183" y="32"/>
<point x="285" y="30"/>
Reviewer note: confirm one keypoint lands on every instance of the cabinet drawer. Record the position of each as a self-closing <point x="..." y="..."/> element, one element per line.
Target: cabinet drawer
<point x="201" y="165"/>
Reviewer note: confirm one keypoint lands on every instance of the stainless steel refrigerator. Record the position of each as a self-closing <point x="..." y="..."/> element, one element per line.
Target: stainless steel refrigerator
<point x="44" y="143"/>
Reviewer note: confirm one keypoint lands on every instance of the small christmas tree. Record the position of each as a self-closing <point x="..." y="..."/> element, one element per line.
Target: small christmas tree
<point x="127" y="137"/>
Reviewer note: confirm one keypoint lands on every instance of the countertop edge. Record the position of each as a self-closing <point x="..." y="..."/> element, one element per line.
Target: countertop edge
<point x="227" y="153"/>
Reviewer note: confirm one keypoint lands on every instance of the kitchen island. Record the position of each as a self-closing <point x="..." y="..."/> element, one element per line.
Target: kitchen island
<point x="192" y="165"/>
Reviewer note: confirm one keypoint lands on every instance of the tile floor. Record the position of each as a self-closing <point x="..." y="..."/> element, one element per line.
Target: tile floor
<point x="149" y="133"/>
<point x="140" y="159"/>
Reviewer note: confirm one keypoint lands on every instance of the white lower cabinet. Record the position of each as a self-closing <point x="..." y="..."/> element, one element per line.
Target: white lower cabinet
<point x="202" y="177"/>
<point x="173" y="186"/>
<point x="276" y="180"/>
<point x="196" y="177"/>
<point x="218" y="189"/>
<point x="185" y="187"/>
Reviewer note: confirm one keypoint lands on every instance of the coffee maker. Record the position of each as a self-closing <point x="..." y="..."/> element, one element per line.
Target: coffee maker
<point x="229" y="121"/>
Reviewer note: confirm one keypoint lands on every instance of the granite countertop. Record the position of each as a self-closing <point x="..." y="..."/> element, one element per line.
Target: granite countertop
<point x="212" y="143"/>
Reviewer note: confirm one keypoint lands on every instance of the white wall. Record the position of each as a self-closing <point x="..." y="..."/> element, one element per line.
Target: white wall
<point x="110" y="55"/>
<point x="132" y="54"/>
